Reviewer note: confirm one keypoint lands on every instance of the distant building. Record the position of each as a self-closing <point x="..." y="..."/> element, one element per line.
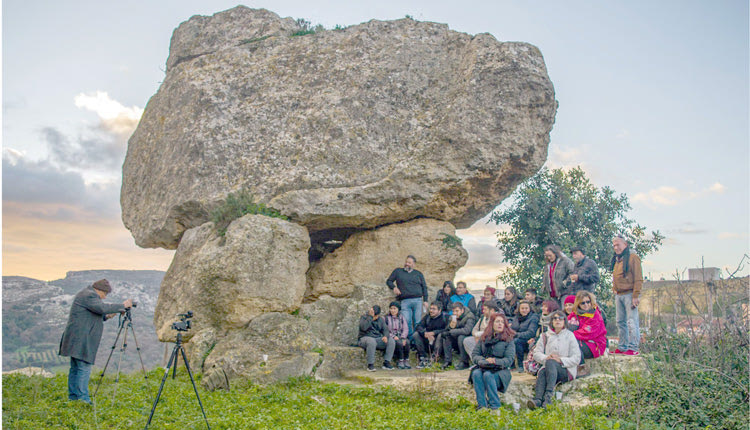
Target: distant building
<point x="704" y="274"/>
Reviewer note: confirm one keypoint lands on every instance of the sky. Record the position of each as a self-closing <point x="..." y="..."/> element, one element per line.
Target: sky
<point x="653" y="102"/>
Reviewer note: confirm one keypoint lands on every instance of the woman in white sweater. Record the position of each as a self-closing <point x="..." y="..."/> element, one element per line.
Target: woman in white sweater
<point x="559" y="353"/>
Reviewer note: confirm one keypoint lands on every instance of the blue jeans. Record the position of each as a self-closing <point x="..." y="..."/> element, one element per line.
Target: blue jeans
<point x="627" y="322"/>
<point x="485" y="387"/>
<point x="78" y="380"/>
<point x="412" y="310"/>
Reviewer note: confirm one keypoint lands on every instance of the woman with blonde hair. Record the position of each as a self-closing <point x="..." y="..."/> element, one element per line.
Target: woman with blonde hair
<point x="591" y="333"/>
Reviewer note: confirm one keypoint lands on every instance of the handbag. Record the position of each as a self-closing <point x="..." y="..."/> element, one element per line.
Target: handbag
<point x="530" y="365"/>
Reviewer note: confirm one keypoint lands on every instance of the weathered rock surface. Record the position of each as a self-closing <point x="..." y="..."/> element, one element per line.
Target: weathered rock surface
<point x="257" y="267"/>
<point x="274" y="347"/>
<point x="378" y="123"/>
<point x="368" y="257"/>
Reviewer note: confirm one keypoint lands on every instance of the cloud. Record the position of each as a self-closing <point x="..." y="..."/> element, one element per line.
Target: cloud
<point x="565" y="159"/>
<point x="114" y="117"/>
<point x="727" y="235"/>
<point x="671" y="196"/>
<point x="688" y="228"/>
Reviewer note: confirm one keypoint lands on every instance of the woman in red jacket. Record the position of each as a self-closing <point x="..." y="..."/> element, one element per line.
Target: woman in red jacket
<point x="591" y="333"/>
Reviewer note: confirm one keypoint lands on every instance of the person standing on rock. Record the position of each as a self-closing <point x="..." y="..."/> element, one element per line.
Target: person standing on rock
<point x="83" y="332"/>
<point x="374" y="334"/>
<point x="627" y="281"/>
<point x="585" y="274"/>
<point x="557" y="273"/>
<point x="410" y="287"/>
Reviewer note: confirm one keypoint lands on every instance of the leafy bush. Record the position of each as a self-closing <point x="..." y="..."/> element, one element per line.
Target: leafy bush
<point x="238" y="205"/>
<point x="306" y="27"/>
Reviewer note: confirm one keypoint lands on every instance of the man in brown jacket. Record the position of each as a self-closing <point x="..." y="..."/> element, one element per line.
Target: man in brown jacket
<point x="627" y="280"/>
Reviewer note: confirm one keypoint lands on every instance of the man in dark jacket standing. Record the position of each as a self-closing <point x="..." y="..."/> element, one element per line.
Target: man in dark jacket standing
<point x="373" y="334"/>
<point x="410" y="288"/>
<point x="585" y="273"/>
<point x="82" y="335"/>
<point x="557" y="273"/>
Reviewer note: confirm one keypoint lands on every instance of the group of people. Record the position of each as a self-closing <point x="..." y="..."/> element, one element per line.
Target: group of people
<point x="551" y="338"/>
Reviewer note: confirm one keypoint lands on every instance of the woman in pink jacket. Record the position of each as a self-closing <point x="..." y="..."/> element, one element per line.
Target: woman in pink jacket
<point x="591" y="333"/>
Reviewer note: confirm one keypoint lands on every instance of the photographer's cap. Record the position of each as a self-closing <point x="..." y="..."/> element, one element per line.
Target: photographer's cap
<point x="102" y="285"/>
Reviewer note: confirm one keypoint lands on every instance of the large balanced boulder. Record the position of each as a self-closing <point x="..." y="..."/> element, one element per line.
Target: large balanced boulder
<point x="377" y="123"/>
<point x="368" y="257"/>
<point x="258" y="266"/>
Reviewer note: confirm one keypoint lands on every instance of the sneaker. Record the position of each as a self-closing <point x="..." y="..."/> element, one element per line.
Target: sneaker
<point x="461" y="366"/>
<point x="617" y="351"/>
<point x="387" y="365"/>
<point x="406" y="364"/>
<point x="631" y="352"/>
<point x="446" y="366"/>
<point x="371" y="367"/>
<point x="422" y="363"/>
<point x="533" y="404"/>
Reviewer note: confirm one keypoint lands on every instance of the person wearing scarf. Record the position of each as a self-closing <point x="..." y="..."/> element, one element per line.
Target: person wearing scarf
<point x="591" y="333"/>
<point x="627" y="281"/>
<point x="559" y="354"/>
<point x="509" y="303"/>
<point x="525" y="325"/>
<point x="444" y="296"/>
<point x="493" y="355"/>
<point x="464" y="297"/>
<point x="569" y="308"/>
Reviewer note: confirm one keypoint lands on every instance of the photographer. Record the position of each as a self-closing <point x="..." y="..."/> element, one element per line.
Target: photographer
<point x="82" y="334"/>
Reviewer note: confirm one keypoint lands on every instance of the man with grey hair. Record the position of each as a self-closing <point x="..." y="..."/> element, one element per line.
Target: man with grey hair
<point x="627" y="281"/>
<point x="82" y="334"/>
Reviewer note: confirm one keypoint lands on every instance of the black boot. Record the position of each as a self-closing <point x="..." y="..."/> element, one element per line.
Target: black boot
<point x="548" y="396"/>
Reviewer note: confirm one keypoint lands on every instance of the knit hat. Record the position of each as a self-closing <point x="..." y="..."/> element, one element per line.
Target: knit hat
<point x="570" y="299"/>
<point x="490" y="289"/>
<point x="102" y="285"/>
<point x="376" y="309"/>
<point x="396" y="304"/>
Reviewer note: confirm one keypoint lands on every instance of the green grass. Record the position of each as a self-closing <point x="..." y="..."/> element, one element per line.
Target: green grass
<point x="35" y="403"/>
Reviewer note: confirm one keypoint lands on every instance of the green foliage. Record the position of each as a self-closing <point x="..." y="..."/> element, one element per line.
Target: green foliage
<point x="306" y="27"/>
<point x="238" y="205"/>
<point x="690" y="383"/>
<point x="300" y="403"/>
<point x="564" y="208"/>
<point x="451" y="241"/>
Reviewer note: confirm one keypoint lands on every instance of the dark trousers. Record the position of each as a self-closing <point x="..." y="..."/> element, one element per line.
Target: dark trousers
<point x="522" y="347"/>
<point x="551" y="374"/>
<point x="449" y="343"/>
<point x="424" y="349"/>
<point x="402" y="351"/>
<point x="585" y="351"/>
<point x="462" y="349"/>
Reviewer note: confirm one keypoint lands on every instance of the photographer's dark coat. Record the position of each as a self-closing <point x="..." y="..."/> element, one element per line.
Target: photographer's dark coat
<point x="85" y="324"/>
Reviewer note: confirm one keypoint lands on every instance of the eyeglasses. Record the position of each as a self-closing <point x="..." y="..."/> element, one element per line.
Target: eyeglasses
<point x="558" y="318"/>
<point x="587" y="302"/>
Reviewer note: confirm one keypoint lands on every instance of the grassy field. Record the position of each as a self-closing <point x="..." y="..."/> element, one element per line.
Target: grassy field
<point x="39" y="403"/>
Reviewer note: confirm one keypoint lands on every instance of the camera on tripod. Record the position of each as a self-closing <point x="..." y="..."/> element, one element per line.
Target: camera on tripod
<point x="184" y="323"/>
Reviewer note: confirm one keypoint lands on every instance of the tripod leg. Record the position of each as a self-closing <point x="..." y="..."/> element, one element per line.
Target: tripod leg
<point x="138" y="348"/>
<point x="119" y="363"/>
<point x="176" y="360"/>
<point x="187" y="366"/>
<point x="101" y="376"/>
<point x="172" y="358"/>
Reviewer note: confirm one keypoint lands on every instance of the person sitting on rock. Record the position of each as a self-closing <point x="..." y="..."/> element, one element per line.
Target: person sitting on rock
<point x="591" y="333"/>
<point x="458" y="329"/>
<point x="559" y="355"/>
<point x="374" y="334"/>
<point x="569" y="308"/>
<point x="470" y="342"/>
<point x="525" y="325"/>
<point x="535" y="301"/>
<point x="444" y="296"/>
<point x="493" y="355"/>
<point x="427" y="332"/>
<point x="487" y="295"/>
<point x="399" y="331"/>
<point x="464" y="297"/>
<point x="509" y="303"/>
<point x="548" y="306"/>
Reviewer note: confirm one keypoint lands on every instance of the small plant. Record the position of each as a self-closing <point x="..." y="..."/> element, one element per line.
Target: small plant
<point x="306" y="27"/>
<point x="238" y="205"/>
<point x="451" y="241"/>
<point x="339" y="27"/>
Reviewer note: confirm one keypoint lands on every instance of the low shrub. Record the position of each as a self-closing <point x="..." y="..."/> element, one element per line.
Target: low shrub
<point x="238" y="205"/>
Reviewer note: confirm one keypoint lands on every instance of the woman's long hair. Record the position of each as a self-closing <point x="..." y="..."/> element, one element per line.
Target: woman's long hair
<point x="489" y="332"/>
<point x="514" y="300"/>
<point x="453" y="288"/>
<point x="551" y="306"/>
<point x="583" y="294"/>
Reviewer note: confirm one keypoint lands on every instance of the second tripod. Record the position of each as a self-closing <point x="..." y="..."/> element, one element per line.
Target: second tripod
<point x="125" y="324"/>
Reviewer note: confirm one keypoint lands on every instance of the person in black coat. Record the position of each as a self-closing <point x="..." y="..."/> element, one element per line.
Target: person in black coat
<point x="444" y="296"/>
<point x="525" y="325"/>
<point x="427" y="332"/>
<point x="585" y="273"/>
<point x="493" y="355"/>
<point x="374" y="334"/>
<point x="82" y="334"/>
<point x="460" y="325"/>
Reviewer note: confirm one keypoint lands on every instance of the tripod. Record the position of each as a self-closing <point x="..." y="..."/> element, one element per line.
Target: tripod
<point x="125" y="323"/>
<point x="173" y="362"/>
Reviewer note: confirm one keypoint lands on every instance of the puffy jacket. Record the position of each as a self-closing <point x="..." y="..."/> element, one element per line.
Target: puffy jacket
<point x="463" y="325"/>
<point x="436" y="325"/>
<point x="592" y="331"/>
<point x="525" y="327"/>
<point x="372" y="328"/>
<point x="563" y="344"/>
